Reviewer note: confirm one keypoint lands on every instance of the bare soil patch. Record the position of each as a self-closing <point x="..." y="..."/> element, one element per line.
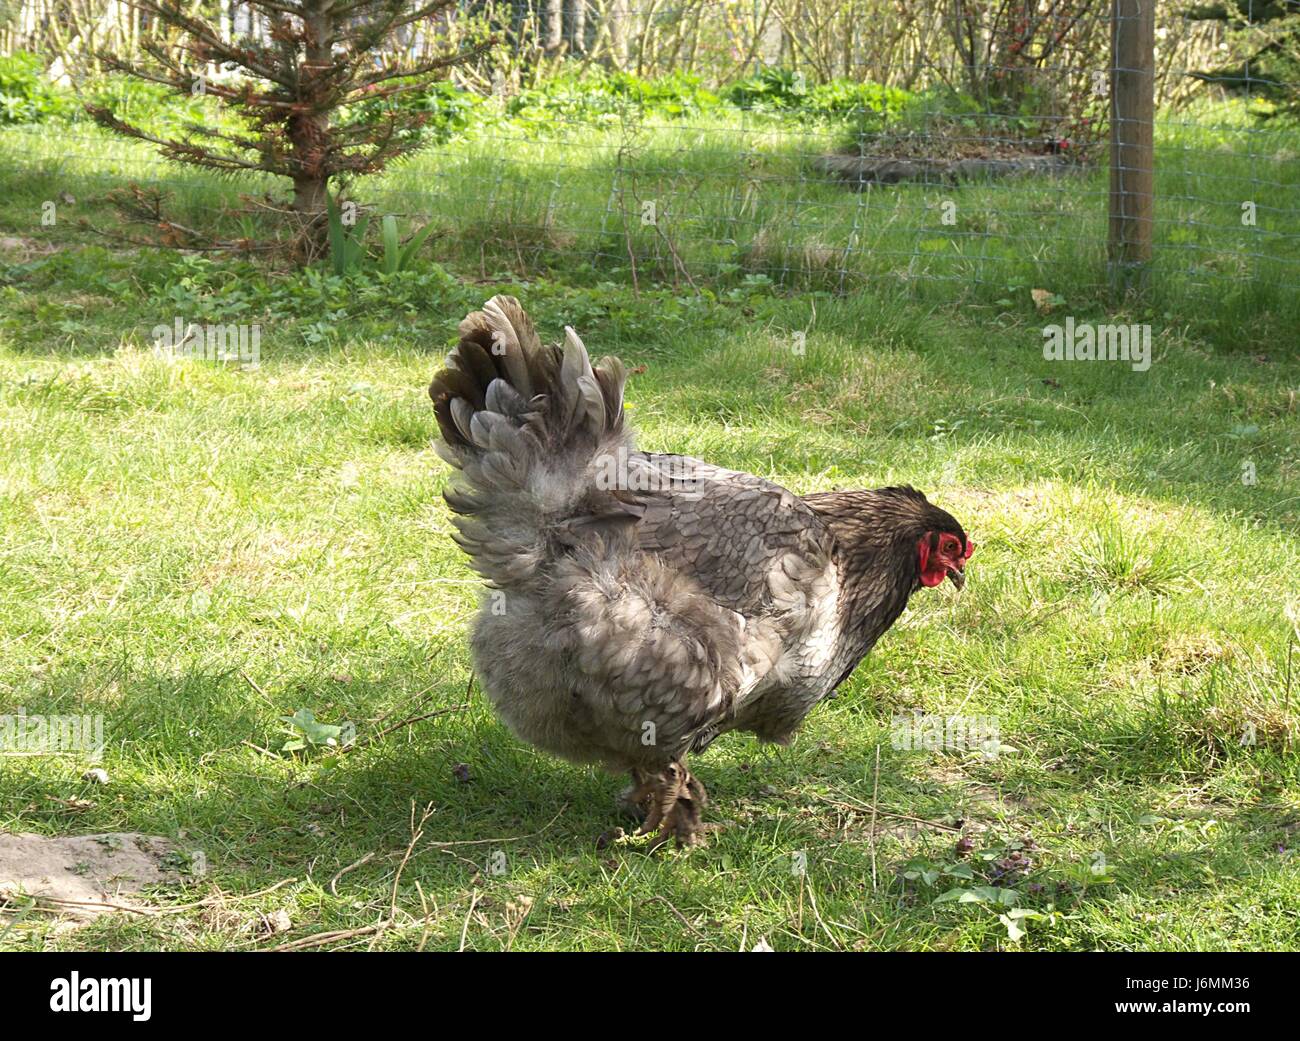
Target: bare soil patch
<point x="84" y="875"/>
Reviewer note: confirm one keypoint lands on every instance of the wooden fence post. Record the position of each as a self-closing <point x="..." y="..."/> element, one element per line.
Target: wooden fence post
<point x="1132" y="158"/>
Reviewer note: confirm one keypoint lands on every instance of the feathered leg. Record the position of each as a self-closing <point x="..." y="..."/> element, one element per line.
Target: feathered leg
<point x="630" y="799"/>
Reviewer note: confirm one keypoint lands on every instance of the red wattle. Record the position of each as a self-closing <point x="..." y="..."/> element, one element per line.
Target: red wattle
<point x="929" y="579"/>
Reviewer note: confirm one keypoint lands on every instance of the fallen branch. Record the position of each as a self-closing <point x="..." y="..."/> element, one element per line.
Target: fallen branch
<point x="155" y="912"/>
<point x="416" y="831"/>
<point x="513" y="838"/>
<point x="351" y="867"/>
<point x="404" y="723"/>
<point x="317" y="939"/>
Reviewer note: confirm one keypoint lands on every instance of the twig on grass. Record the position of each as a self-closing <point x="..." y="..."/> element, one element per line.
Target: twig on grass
<point x="812" y="900"/>
<point x="261" y="693"/>
<point x="428" y="918"/>
<point x="403" y="723"/>
<point x="464" y="929"/>
<point x="351" y="867"/>
<point x="512" y="838"/>
<point x="142" y="911"/>
<point x="222" y="898"/>
<point x="155" y="912"/>
<point x="859" y="807"/>
<point x="416" y="831"/>
<point x="680" y="917"/>
<point x="875" y="808"/>
<point x="316" y="939"/>
<point x="419" y="700"/>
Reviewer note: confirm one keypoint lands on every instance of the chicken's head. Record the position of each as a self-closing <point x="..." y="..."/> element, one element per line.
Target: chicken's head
<point x="942" y="552"/>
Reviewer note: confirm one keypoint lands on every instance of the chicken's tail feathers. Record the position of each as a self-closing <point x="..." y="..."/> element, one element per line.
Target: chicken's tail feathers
<point x="529" y="426"/>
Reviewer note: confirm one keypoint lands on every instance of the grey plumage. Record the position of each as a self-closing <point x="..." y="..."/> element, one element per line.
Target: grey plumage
<point x="642" y="603"/>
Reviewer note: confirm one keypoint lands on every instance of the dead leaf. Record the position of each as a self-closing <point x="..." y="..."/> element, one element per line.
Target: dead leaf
<point x="73" y="804"/>
<point x="517" y="910"/>
<point x="276" y="922"/>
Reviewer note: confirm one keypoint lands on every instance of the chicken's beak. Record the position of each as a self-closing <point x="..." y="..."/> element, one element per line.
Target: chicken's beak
<point x="956" y="570"/>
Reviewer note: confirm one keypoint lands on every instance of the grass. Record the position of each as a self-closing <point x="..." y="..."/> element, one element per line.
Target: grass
<point x="728" y="197"/>
<point x="195" y="552"/>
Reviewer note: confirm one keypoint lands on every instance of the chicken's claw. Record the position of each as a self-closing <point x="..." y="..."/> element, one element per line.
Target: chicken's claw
<point x="673" y="800"/>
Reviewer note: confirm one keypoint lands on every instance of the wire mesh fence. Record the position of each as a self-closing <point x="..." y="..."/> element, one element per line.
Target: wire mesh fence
<point x="822" y="146"/>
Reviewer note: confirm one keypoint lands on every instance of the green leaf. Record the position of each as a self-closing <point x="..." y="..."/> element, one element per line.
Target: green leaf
<point x="1014" y="932"/>
<point x="338" y="238"/>
<point x="357" y="245"/>
<point x="315" y="733"/>
<point x="980" y="895"/>
<point x="392" y="258"/>
<point x="416" y="241"/>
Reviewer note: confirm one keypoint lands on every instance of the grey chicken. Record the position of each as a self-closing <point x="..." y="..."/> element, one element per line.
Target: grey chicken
<point x="641" y="604"/>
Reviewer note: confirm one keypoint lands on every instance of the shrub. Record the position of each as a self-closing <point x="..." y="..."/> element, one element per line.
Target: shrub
<point x="597" y="93"/>
<point x="150" y="105"/>
<point x="25" y="95"/>
<point x="444" y="110"/>
<point x="867" y="105"/>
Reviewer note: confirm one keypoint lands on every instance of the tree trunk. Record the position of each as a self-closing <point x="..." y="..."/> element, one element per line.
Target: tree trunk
<point x="617" y="16"/>
<point x="309" y="132"/>
<point x="577" y="26"/>
<point x="309" y="194"/>
<point x="553" y="27"/>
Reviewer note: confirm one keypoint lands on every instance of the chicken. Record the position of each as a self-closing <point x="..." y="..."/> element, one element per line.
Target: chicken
<point x="641" y="604"/>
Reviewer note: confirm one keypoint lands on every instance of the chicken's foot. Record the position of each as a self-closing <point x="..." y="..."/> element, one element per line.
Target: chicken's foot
<point x="673" y="800"/>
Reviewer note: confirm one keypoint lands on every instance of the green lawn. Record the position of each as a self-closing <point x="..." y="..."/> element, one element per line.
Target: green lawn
<point x="195" y="552"/>
<point x="728" y="198"/>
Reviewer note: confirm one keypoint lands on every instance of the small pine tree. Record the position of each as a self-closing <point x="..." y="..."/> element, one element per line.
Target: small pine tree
<point x="292" y="92"/>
